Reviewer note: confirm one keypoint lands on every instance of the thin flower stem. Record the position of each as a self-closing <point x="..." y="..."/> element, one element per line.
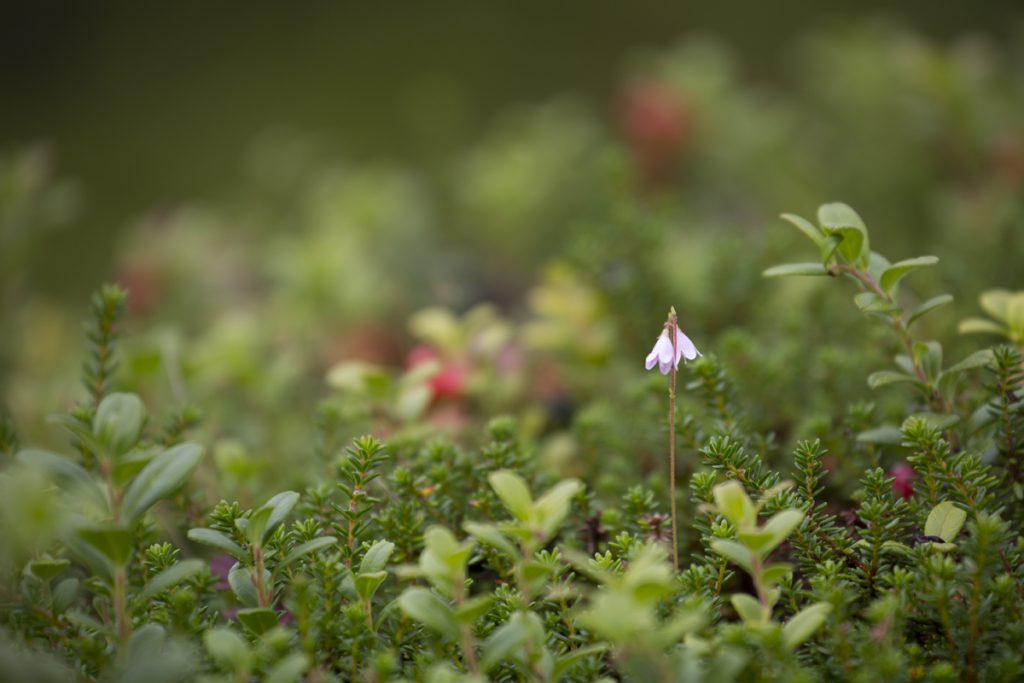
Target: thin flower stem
<point x="672" y="324"/>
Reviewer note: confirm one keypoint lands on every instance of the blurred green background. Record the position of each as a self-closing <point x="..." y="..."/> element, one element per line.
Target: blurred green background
<point x="148" y="104"/>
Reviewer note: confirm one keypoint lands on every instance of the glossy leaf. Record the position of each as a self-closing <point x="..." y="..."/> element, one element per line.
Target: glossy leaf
<point x="930" y="304"/>
<point x="804" y="623"/>
<point x="787" y="269"/>
<point x="430" y="610"/>
<point x="945" y="521"/>
<point x="218" y="540"/>
<point x="259" y="620"/>
<point x="163" y="476"/>
<point x="897" y="271"/>
<point x="170" y="577"/>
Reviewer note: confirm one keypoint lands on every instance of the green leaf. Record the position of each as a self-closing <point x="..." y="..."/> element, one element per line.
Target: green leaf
<point x="897" y="271"/>
<point x="45" y="569"/>
<point x="488" y="534"/>
<point x="982" y="326"/>
<point x="474" y="608"/>
<point x="115" y="542"/>
<point x="997" y="302"/>
<point x="787" y="269"/>
<point x="281" y="506"/>
<point x="782" y="524"/>
<point x="806" y="227"/>
<point x="218" y="540"/>
<point x="734" y="552"/>
<point x="376" y="558"/>
<point x="885" y="377"/>
<point x="227" y="648"/>
<point x="64" y="595"/>
<point x="259" y="620"/>
<point x="520" y="629"/>
<point x="118" y="422"/>
<point x="945" y="521"/>
<point x="240" y="580"/>
<point x="978" y="359"/>
<point x="883" y="435"/>
<point x="564" y="663"/>
<point x="368" y="583"/>
<point x="69" y="475"/>
<point x="749" y="609"/>
<point x="289" y="669"/>
<point x="934" y="302"/>
<point x="170" y="577"/>
<point x="163" y="476"/>
<point x="310" y="546"/>
<point x="869" y="302"/>
<point x="430" y="610"/>
<point x="255" y="525"/>
<point x="804" y="623"/>
<point x="91" y="557"/>
<point x="513" y="492"/>
<point x="841" y="220"/>
<point x="773" y="573"/>
<point x="551" y="508"/>
<point x="734" y="504"/>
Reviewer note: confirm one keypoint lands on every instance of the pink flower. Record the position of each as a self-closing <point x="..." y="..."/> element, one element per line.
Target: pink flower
<point x="666" y="357"/>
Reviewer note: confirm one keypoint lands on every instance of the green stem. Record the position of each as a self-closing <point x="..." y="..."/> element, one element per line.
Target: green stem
<point x="120" y="610"/>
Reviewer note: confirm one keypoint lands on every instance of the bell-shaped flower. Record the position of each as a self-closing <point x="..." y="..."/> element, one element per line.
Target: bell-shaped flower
<point x="666" y="357"/>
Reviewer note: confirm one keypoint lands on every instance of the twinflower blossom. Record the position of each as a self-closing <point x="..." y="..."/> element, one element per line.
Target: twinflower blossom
<point x="665" y="357"/>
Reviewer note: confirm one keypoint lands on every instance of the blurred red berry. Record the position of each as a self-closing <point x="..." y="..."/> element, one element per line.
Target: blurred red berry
<point x="903" y="476"/>
<point x="655" y="125"/>
<point x="450" y="380"/>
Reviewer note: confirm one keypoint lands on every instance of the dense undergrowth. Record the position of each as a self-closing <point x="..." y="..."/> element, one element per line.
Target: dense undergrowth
<point x="207" y="503"/>
<point x="419" y="559"/>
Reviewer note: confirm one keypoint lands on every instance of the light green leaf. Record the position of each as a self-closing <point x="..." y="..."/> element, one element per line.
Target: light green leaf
<point x="774" y="573"/>
<point x="886" y="377"/>
<point x="488" y="534"/>
<point x="869" y="302"/>
<point x="513" y="492"/>
<point x="227" y="648"/>
<point x="806" y="227"/>
<point x="734" y="552"/>
<point x="430" y="610"/>
<point x="310" y="546"/>
<point x="782" y="524"/>
<point x="934" y="302"/>
<point x="945" y="521"/>
<point x="897" y="271"/>
<point x="551" y="508"/>
<point x="69" y="475"/>
<point x="259" y="620"/>
<point x="734" y="503"/>
<point x="164" y="475"/>
<point x="64" y="595"/>
<point x="804" y="623"/>
<point x="216" y="539"/>
<point x="787" y="269"/>
<point x="289" y="669"/>
<point x="749" y="609"/>
<point x="170" y="577"/>
<point x="982" y="326"/>
<point x="376" y="558"/>
<point x="521" y="628"/>
<point x="996" y="302"/>
<point x="474" y="608"/>
<point x="368" y="583"/>
<point x="841" y="220"/>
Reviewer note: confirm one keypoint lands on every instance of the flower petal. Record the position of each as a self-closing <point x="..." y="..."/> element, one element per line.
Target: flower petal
<point x="652" y="358"/>
<point x="685" y="347"/>
<point x="665" y="366"/>
<point x="664" y="349"/>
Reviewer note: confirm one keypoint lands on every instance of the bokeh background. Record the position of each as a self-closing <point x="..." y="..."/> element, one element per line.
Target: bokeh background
<point x="307" y="202"/>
